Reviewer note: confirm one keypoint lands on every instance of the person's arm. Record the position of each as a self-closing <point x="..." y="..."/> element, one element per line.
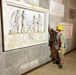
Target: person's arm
<point x="49" y="29"/>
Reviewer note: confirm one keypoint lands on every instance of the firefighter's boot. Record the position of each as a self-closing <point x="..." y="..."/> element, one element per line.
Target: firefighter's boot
<point x="60" y="66"/>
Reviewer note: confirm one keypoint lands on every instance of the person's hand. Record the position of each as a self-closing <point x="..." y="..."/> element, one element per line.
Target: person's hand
<point x="49" y="28"/>
<point x="59" y="51"/>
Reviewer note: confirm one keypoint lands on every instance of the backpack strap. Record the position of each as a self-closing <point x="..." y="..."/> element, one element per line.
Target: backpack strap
<point x="59" y="37"/>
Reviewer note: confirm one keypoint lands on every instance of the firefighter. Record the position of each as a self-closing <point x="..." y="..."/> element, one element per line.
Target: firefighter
<point x="59" y="46"/>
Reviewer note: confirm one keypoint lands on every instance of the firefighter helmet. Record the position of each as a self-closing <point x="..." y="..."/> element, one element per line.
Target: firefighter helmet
<point x="59" y="27"/>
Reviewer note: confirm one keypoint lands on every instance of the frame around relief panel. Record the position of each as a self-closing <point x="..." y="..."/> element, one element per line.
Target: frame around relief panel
<point x="15" y="40"/>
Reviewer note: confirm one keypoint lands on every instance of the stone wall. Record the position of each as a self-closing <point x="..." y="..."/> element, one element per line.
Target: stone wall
<point x="22" y="60"/>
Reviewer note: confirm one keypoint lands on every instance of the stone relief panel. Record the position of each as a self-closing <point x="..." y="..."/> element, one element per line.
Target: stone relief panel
<point x="72" y="13"/>
<point x="56" y="9"/>
<point x="23" y="26"/>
